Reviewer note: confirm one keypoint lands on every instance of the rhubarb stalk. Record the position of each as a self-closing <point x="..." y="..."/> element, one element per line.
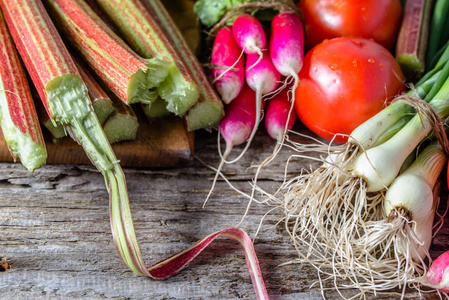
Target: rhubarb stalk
<point x="18" y="119"/>
<point x="179" y="90"/>
<point x="412" y="39"/>
<point x="65" y="97"/>
<point x="122" y="124"/>
<point x="101" y="102"/>
<point x="209" y="110"/>
<point x="129" y="76"/>
<point x="150" y="30"/>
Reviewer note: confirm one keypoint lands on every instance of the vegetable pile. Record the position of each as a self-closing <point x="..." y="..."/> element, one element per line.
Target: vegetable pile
<point x="366" y="217"/>
<point x="379" y="93"/>
<point x="371" y="77"/>
<point x="155" y="67"/>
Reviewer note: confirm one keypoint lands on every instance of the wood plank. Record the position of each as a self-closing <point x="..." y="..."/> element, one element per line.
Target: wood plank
<point x="165" y="143"/>
<point x="54" y="229"/>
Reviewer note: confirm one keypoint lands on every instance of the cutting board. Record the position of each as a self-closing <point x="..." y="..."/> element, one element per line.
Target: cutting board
<point x="165" y="143"/>
<point x="162" y="143"/>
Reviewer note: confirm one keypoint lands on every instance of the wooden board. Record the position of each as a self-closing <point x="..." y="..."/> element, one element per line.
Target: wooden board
<point x="55" y="232"/>
<point x="165" y="143"/>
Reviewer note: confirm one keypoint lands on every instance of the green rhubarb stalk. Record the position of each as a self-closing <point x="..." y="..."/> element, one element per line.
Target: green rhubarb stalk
<point x="412" y="39"/>
<point x="209" y="110"/>
<point x="121" y="125"/>
<point x="101" y="102"/>
<point x="65" y="97"/>
<point x="144" y="33"/>
<point x="129" y="76"/>
<point x="18" y="119"/>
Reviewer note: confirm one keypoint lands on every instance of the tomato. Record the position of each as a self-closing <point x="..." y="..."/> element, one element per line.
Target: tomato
<point x="343" y="82"/>
<point x="371" y="19"/>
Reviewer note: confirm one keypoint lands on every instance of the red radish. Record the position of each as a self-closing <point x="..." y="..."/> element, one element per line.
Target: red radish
<point x="227" y="65"/>
<point x="276" y="115"/>
<point x="241" y="120"/>
<point x="287" y="48"/>
<point x="237" y="124"/>
<point x="287" y="43"/>
<point x="249" y="34"/>
<point x="263" y="78"/>
<point x="438" y="274"/>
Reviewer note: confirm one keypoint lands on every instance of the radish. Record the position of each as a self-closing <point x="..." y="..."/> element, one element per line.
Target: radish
<point x="287" y="50"/>
<point x="263" y="78"/>
<point x="227" y="65"/>
<point x="237" y="124"/>
<point x="437" y="276"/>
<point x="249" y="35"/>
<point x="287" y="43"/>
<point x="276" y="116"/>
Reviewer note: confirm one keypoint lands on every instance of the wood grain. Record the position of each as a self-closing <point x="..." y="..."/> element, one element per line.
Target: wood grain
<point x="54" y="231"/>
<point x="165" y="143"/>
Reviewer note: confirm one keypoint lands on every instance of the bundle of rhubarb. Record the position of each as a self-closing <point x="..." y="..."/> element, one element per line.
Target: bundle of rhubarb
<point x="366" y="217"/>
<point x="76" y="104"/>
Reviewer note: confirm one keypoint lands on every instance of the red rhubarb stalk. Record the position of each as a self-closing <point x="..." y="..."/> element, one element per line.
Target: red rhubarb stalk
<point x="412" y="38"/>
<point x="208" y="111"/>
<point x="65" y="97"/>
<point x="18" y="118"/>
<point x="142" y="31"/>
<point x="125" y="73"/>
<point x="101" y="102"/>
<point x="172" y="265"/>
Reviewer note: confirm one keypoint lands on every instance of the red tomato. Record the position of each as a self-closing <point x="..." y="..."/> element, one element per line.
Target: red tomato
<point x="344" y="82"/>
<point x="371" y="19"/>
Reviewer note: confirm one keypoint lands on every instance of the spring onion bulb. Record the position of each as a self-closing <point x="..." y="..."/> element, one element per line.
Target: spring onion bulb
<point x="397" y="245"/>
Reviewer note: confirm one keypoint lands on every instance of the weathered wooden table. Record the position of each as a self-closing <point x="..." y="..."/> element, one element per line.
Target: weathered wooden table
<point x="55" y="234"/>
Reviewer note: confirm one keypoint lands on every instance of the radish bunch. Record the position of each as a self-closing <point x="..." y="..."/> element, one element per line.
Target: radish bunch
<point x="242" y="56"/>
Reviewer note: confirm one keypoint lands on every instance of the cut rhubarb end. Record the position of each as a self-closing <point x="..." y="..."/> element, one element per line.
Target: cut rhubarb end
<point x="179" y="95"/>
<point x="143" y="83"/>
<point x="205" y="114"/>
<point x="122" y="125"/>
<point x="67" y="99"/>
<point x="103" y="109"/>
<point x="411" y="65"/>
<point x="146" y="36"/>
<point x="155" y="110"/>
<point x="57" y="131"/>
<point x="32" y="154"/>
